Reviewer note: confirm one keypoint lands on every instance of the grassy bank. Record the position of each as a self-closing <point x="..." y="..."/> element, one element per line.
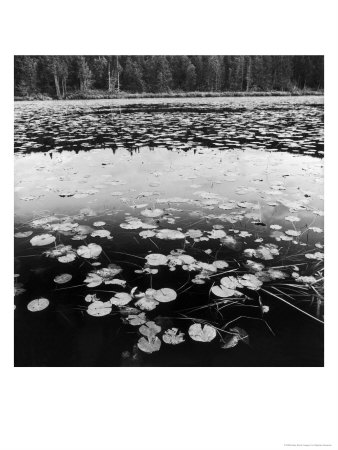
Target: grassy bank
<point x="99" y="94"/>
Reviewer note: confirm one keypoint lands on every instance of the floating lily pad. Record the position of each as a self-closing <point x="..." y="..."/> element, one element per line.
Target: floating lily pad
<point x="156" y="259"/>
<point x="170" y="235"/>
<point x="63" y="278"/>
<point x="137" y="319"/>
<point x="99" y="309"/>
<point x="149" y="344"/>
<point x="42" y="239"/>
<point x="222" y="291"/>
<point x="38" y="304"/>
<point x="89" y="251"/>
<point x="152" y="212"/>
<point x="101" y="234"/>
<point x="149" y="329"/>
<point x="121" y="299"/>
<point x="147" y="234"/>
<point x="23" y="234"/>
<point x="251" y="281"/>
<point x="91" y="298"/>
<point x="200" y="333"/>
<point x="173" y="336"/>
<point x="220" y="264"/>
<point x="165" y="295"/>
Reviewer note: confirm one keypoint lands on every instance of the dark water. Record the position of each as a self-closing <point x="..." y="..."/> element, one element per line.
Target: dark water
<point x="228" y="169"/>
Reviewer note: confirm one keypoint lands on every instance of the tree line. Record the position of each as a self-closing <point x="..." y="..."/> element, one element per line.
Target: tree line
<point x="59" y="76"/>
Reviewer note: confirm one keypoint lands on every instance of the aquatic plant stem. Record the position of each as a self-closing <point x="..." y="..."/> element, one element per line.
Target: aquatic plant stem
<point x="293" y="306"/>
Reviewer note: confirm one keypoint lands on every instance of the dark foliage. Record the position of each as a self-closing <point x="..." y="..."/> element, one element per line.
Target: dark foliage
<point x="59" y="76"/>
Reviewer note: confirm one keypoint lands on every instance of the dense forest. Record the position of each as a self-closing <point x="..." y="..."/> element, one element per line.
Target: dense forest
<point x="65" y="76"/>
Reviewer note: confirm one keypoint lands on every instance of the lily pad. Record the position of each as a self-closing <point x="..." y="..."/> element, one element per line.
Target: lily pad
<point x="23" y="234"/>
<point x="149" y="344"/>
<point x="99" y="309"/>
<point x="149" y="329"/>
<point x="238" y="334"/>
<point x="202" y="334"/>
<point x="147" y="234"/>
<point x="121" y="299"/>
<point x="89" y="251"/>
<point x="63" y="278"/>
<point x="220" y="264"/>
<point x="42" y="239"/>
<point x="38" y="304"/>
<point x="101" y="234"/>
<point x="173" y="336"/>
<point x="93" y="280"/>
<point x="156" y="259"/>
<point x="165" y="295"/>
<point x="170" y="235"/>
<point x="68" y="257"/>
<point x="137" y="319"/>
<point x="251" y="282"/>
<point x="222" y="291"/>
<point x="152" y="212"/>
<point x="146" y="303"/>
<point x="91" y="298"/>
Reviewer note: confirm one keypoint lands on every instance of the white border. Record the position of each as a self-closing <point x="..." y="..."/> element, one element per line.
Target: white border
<point x="155" y="408"/>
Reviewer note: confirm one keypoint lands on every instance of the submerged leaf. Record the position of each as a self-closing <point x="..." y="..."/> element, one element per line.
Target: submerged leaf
<point x="238" y="335"/>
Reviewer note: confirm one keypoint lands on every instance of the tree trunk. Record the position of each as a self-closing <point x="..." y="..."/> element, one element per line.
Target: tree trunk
<point x="109" y="78"/>
<point x="64" y="87"/>
<point x="57" y="86"/>
<point x="248" y="75"/>
<point x="118" y="74"/>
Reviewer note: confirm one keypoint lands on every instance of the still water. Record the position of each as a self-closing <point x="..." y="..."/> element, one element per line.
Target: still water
<point x="181" y="232"/>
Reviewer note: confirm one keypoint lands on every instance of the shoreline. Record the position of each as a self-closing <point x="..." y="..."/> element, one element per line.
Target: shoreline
<point x="104" y="95"/>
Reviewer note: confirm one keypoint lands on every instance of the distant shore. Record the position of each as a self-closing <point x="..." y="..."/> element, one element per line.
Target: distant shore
<point x="101" y="95"/>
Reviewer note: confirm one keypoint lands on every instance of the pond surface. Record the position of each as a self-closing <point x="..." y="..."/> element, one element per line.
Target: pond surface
<point x="173" y="232"/>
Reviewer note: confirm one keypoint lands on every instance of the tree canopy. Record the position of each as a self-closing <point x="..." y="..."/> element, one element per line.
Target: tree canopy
<point x="58" y="76"/>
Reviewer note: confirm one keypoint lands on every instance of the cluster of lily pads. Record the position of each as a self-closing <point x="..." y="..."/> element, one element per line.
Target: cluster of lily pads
<point x="133" y="304"/>
<point x="297" y="129"/>
<point x="263" y="234"/>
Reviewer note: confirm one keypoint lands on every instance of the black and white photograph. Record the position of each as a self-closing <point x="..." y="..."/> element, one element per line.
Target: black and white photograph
<point x="169" y="225"/>
<point x="169" y="210"/>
